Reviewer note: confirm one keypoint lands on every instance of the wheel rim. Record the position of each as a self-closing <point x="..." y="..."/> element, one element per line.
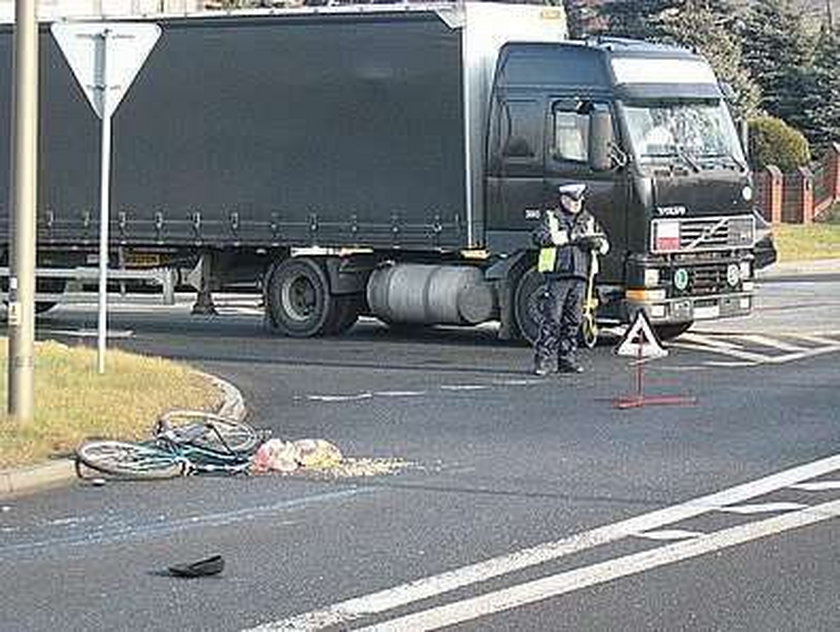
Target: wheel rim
<point x="299" y="298"/>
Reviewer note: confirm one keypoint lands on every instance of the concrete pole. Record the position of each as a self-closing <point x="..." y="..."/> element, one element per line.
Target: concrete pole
<point x="23" y="203"/>
<point x="104" y="194"/>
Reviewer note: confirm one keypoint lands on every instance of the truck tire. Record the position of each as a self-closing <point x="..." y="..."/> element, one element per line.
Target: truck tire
<point x="526" y="306"/>
<point x="672" y="330"/>
<point x="299" y="303"/>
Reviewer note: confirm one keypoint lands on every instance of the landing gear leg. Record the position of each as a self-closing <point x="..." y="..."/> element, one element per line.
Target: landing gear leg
<point x="204" y="300"/>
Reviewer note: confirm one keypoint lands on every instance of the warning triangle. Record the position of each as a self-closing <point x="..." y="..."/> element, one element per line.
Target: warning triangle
<point x="105" y="57"/>
<point x="640" y="340"/>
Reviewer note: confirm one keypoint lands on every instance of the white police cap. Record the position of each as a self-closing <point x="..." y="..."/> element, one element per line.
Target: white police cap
<point x="574" y="191"/>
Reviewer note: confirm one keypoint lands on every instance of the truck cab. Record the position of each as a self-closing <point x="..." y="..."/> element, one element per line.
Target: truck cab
<point x="648" y="129"/>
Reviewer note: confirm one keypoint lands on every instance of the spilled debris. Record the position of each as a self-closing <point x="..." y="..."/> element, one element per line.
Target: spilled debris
<point x="320" y="457"/>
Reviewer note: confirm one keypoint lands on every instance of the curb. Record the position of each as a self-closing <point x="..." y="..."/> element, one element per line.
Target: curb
<point x="17" y="481"/>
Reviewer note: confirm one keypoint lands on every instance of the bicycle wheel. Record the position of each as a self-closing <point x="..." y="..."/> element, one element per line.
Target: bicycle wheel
<point x="211" y="431"/>
<point x="129" y="459"/>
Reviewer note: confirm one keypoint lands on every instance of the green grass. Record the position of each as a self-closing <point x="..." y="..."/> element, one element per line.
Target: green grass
<point x="795" y="242"/>
<point x="73" y="402"/>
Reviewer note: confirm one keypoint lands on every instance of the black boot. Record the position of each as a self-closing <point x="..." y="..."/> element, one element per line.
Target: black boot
<point x="542" y="367"/>
<point x="568" y="365"/>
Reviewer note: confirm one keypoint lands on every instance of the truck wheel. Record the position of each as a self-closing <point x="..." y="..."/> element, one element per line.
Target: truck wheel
<point x="672" y="330"/>
<point x="298" y="298"/>
<point x="526" y="304"/>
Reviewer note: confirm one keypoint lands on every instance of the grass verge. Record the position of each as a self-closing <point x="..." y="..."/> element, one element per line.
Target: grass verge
<point x="796" y="242"/>
<point x="74" y="402"/>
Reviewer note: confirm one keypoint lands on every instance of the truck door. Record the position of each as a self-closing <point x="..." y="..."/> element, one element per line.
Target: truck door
<point x="566" y="161"/>
<point x="515" y="185"/>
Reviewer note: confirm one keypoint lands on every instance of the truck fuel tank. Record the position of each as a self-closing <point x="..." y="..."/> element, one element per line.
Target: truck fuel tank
<point x="431" y="294"/>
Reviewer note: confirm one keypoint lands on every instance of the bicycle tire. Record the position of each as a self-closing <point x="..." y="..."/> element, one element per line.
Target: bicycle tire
<point x="134" y="460"/>
<point x="239" y="437"/>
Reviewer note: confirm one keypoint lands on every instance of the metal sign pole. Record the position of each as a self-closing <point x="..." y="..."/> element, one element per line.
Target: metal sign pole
<point x="105" y="195"/>
<point x="105" y="58"/>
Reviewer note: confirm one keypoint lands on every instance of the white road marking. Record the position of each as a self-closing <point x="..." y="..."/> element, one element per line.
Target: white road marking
<point x="722" y="363"/>
<point x="399" y="393"/>
<point x="445" y="387"/>
<point x="805" y="354"/>
<point x="562" y="583"/>
<point x="819" y="340"/>
<point x="761" y="508"/>
<point x="735" y="353"/>
<point x="378" y="602"/>
<point x="340" y="398"/>
<point x="89" y="333"/>
<point x="817" y="486"/>
<point x="519" y="382"/>
<point x="760" y="358"/>
<point x="770" y="342"/>
<point x="707" y="341"/>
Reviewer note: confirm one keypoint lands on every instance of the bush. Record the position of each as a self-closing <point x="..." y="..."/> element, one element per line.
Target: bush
<point x="774" y="142"/>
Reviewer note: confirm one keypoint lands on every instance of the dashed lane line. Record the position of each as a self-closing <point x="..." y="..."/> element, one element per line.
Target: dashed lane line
<point x="399" y="393"/>
<point x="345" y="612"/>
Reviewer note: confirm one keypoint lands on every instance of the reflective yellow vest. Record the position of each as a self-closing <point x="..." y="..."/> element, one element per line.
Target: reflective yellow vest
<point x="548" y="254"/>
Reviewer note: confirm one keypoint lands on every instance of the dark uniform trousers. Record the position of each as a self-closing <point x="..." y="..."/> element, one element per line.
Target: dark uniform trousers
<point x="561" y="313"/>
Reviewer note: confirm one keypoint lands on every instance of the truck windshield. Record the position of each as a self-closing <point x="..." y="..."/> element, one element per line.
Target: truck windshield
<point x="699" y="135"/>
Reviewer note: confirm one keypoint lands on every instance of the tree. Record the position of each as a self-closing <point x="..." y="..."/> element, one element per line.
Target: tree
<point x="777" y="51"/>
<point x="774" y="142"/>
<point x="638" y="20"/>
<point x="822" y="101"/>
<point x="708" y="26"/>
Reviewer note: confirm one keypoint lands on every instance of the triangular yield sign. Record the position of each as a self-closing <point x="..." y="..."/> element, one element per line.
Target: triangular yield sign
<point x="105" y="56"/>
<point x="640" y="340"/>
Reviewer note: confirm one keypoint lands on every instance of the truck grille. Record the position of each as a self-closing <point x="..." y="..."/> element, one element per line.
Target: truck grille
<point x="707" y="279"/>
<point x="702" y="233"/>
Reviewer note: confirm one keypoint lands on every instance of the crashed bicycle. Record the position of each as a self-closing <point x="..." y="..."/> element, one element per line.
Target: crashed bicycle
<point x="183" y="443"/>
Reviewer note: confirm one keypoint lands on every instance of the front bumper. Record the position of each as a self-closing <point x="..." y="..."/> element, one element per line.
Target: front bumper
<point x="690" y="308"/>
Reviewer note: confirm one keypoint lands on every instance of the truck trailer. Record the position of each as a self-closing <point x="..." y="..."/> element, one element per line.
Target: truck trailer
<point x="391" y="160"/>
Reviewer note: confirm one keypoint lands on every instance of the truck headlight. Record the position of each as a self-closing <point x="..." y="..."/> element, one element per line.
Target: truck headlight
<point x="651" y="277"/>
<point x="745" y="270"/>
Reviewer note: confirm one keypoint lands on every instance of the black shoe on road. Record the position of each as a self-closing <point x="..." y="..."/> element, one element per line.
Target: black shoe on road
<point x="542" y="369"/>
<point x="569" y="366"/>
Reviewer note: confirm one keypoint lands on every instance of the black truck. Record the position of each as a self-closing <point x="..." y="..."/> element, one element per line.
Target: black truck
<point x="392" y="160"/>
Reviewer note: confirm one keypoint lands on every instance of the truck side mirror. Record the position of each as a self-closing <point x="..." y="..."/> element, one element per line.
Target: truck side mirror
<point x="600" y="139"/>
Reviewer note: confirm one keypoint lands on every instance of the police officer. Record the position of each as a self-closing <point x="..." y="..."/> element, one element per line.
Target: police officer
<point x="567" y="236"/>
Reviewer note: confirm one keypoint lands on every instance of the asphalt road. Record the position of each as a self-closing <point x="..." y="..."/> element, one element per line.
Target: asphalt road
<point x="522" y="503"/>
